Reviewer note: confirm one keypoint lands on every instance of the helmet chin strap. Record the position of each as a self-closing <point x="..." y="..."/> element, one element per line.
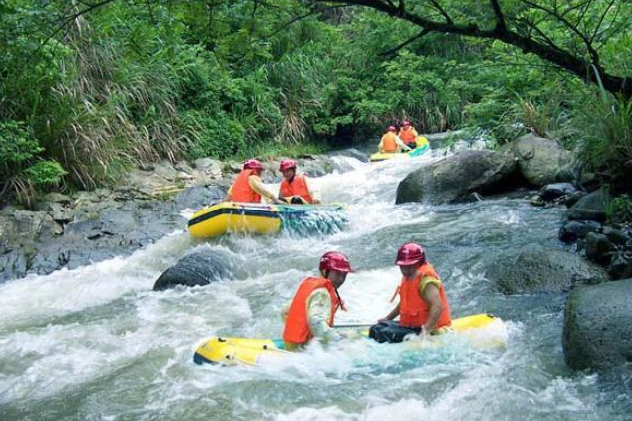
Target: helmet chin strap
<point x="341" y="303"/>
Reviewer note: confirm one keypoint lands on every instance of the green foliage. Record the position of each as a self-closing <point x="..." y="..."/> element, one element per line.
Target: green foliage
<point x="22" y="172"/>
<point x="142" y="81"/>
<point x="605" y="135"/>
<point x="619" y="210"/>
<point x="17" y="147"/>
<point x="45" y="174"/>
<point x="271" y="149"/>
<point x="219" y="136"/>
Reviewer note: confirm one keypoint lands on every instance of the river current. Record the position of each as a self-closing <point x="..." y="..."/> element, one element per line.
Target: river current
<point x="95" y="343"/>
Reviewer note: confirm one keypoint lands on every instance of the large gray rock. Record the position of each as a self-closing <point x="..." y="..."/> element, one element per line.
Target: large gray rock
<point x="599" y="248"/>
<point x="200" y="267"/>
<point x="598" y="326"/>
<point x="575" y="230"/>
<point x="454" y="178"/>
<point x="211" y="167"/>
<point x="199" y="197"/>
<point x="22" y="227"/>
<point x="537" y="269"/>
<point x="543" y="161"/>
<point x="20" y="232"/>
<point x="32" y="242"/>
<point x="621" y="266"/>
<point x="592" y="206"/>
<point x="553" y="192"/>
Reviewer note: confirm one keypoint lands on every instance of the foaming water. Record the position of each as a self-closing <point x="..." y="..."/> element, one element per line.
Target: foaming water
<point x="97" y="343"/>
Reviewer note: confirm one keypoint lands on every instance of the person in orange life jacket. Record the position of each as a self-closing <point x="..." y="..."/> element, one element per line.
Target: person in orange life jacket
<point x="408" y="135"/>
<point x="315" y="303"/>
<point x="294" y="188"/>
<point x="423" y="306"/>
<point x="248" y="187"/>
<point x="390" y="142"/>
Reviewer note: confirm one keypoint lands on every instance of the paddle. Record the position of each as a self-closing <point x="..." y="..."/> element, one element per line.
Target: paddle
<point x="353" y="325"/>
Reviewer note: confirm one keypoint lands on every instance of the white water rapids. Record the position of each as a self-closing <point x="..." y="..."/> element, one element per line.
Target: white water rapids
<point x="97" y="343"/>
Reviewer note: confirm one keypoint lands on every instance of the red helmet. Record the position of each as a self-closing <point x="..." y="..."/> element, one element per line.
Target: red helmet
<point x="336" y="261"/>
<point x="253" y="164"/>
<point x="391" y="129"/>
<point x="287" y="164"/>
<point x="410" y="254"/>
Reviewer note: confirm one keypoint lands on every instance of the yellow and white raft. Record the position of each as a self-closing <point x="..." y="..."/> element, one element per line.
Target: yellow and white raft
<point x="254" y="218"/>
<point x="245" y="351"/>
<point x="422" y="147"/>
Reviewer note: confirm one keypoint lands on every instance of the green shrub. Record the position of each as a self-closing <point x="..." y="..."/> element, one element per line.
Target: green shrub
<point x="46" y="174"/>
<point x="604" y="137"/>
<point x="218" y="136"/>
<point x="17" y="147"/>
<point x="619" y="209"/>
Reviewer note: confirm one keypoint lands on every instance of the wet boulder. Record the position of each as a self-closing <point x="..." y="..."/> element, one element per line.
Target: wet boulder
<point x="617" y="236"/>
<point x="456" y="177"/>
<point x="598" y="327"/>
<point x="621" y="266"/>
<point x="536" y="269"/>
<point x="20" y="232"/>
<point x="199" y="197"/>
<point x="316" y="165"/>
<point x="575" y="230"/>
<point x="599" y="248"/>
<point x="210" y="167"/>
<point x="199" y="267"/>
<point x="556" y="191"/>
<point x="543" y="161"/>
<point x="592" y="206"/>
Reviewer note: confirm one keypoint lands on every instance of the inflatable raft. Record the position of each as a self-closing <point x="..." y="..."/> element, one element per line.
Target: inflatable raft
<point x="244" y="351"/>
<point x="422" y="147"/>
<point x="255" y="218"/>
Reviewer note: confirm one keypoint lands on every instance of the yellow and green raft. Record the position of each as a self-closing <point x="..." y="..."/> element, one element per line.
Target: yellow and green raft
<point x="245" y="351"/>
<point x="422" y="147"/>
<point x="254" y="218"/>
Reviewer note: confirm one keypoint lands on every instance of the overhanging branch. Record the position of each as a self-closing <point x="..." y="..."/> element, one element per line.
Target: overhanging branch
<point x="393" y="50"/>
<point x="562" y="58"/>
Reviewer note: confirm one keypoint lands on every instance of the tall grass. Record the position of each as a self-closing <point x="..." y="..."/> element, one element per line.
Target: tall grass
<point x="111" y="113"/>
<point x="605" y="137"/>
<point x="92" y="108"/>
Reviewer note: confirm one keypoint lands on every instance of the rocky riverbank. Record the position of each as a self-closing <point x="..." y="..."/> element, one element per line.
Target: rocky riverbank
<point x="597" y="326"/>
<point x="68" y="231"/>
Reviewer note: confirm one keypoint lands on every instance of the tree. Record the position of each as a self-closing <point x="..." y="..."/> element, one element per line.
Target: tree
<point x="576" y="35"/>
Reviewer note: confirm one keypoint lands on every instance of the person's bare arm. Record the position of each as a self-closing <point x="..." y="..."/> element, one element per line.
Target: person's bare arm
<point x="257" y="185"/>
<point x="432" y="298"/>
<point x="394" y="313"/>
<point x="401" y="144"/>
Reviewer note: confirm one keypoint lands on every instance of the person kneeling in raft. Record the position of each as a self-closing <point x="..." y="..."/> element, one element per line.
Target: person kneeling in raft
<point x="248" y="187"/>
<point x="294" y="188"/>
<point x="423" y="307"/>
<point x="314" y="306"/>
<point x="391" y="143"/>
<point x="408" y="134"/>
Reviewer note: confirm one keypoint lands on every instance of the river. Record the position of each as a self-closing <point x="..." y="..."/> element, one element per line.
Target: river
<point x="97" y="343"/>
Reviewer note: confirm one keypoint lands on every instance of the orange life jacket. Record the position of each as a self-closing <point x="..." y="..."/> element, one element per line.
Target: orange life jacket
<point x="297" y="329"/>
<point x="241" y="190"/>
<point x="297" y="187"/>
<point x="388" y="142"/>
<point x="414" y="311"/>
<point x="407" y="136"/>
